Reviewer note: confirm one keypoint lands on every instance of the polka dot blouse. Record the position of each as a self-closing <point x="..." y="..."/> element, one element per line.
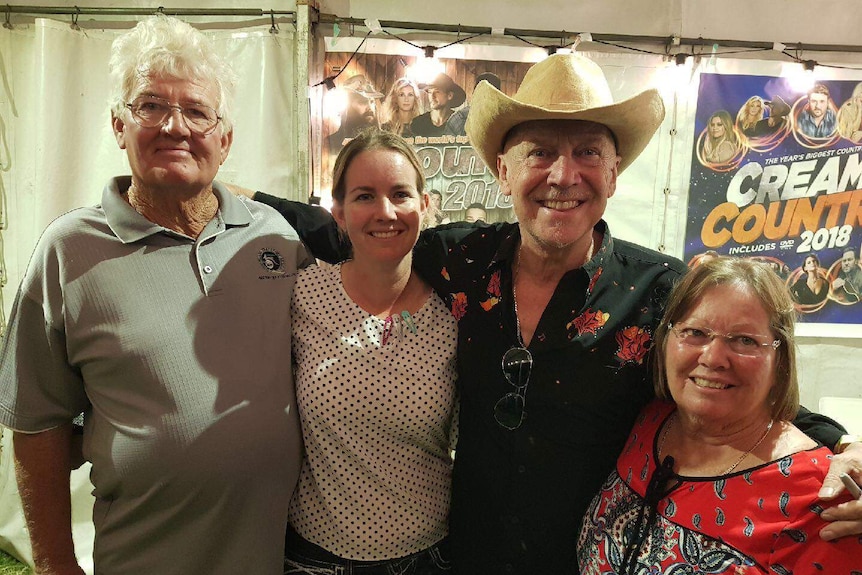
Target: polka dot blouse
<point x="376" y="401"/>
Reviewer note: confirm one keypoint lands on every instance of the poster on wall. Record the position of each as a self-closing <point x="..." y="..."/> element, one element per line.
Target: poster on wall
<point x="429" y="111"/>
<point x="775" y="176"/>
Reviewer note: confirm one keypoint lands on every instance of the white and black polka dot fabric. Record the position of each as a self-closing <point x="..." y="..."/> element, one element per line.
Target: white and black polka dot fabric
<point x="377" y="420"/>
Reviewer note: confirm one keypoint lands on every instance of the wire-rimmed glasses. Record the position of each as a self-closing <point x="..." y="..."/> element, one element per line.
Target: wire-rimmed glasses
<point x="509" y="411"/>
<point x="153" y="112"/>
<point x="751" y="345"/>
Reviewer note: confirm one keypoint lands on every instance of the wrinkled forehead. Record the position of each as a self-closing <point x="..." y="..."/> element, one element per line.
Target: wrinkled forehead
<point x="192" y="89"/>
<point x="542" y="131"/>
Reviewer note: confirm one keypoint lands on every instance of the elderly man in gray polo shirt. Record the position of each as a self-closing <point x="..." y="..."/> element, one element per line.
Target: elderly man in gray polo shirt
<point x="163" y="314"/>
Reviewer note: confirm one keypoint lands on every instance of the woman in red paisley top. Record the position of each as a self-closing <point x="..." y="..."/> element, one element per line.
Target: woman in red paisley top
<point x="714" y="478"/>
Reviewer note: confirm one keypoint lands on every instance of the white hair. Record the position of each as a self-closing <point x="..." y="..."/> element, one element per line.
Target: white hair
<point x="165" y="46"/>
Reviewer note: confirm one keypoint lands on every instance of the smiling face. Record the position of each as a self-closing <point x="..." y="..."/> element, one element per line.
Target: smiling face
<point x="716" y="128"/>
<point x="560" y="175"/>
<point x="755" y="108"/>
<point x="382" y="208"/>
<point x="712" y="383"/>
<point x="171" y="156"/>
<point x="438" y="99"/>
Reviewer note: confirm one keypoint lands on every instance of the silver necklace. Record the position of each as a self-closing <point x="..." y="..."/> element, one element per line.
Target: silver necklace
<point x="515" y="298"/>
<point x="515" y="271"/>
<point x="727" y="471"/>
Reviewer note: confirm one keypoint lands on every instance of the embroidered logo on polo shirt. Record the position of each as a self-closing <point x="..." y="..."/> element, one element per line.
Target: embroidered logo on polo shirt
<point x="271" y="261"/>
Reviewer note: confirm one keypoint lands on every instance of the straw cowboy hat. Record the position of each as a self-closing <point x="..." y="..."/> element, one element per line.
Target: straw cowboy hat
<point x="562" y="87"/>
<point x="445" y="83"/>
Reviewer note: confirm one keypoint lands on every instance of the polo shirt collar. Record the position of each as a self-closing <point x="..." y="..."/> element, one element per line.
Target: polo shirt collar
<point x="130" y="226"/>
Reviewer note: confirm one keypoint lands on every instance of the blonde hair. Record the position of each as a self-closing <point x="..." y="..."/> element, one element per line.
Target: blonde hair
<point x="391" y="113"/>
<point x="850" y="115"/>
<point x="711" y="146"/>
<point x="165" y="46"/>
<point x="743" y="117"/>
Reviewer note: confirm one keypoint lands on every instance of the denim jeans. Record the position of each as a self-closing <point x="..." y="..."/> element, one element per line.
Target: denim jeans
<point x="304" y="558"/>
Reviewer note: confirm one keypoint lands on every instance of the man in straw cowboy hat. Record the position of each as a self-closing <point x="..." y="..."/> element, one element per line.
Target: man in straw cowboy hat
<point x="555" y="316"/>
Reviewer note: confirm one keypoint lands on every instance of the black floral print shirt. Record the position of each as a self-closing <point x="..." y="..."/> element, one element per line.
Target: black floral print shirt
<point x="519" y="496"/>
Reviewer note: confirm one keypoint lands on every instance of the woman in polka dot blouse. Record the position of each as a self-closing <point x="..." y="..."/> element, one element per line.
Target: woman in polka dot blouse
<point x="375" y="378"/>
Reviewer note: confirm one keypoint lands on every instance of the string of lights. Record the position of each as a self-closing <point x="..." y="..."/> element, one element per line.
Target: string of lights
<point x="569" y="42"/>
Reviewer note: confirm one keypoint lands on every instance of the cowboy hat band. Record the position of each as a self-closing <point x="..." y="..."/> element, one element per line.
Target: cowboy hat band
<point x="445" y="83"/>
<point x="562" y="87"/>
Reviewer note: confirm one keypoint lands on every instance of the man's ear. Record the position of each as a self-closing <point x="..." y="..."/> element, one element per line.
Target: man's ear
<point x="119" y="128"/>
<point x="226" y="142"/>
<point x="503" y="177"/>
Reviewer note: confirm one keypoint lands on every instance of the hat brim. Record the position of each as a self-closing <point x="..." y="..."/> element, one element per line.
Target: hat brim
<point x="493" y="114"/>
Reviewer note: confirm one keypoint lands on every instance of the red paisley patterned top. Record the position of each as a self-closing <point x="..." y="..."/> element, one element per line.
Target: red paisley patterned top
<point x="763" y="520"/>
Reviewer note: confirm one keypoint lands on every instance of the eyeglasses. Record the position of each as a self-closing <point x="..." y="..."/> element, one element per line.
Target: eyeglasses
<point x="517" y="365"/>
<point x="739" y="343"/>
<point x="153" y="112"/>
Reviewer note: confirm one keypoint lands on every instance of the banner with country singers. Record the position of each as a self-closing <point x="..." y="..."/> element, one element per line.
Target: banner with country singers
<point x="429" y="110"/>
<point x="776" y="176"/>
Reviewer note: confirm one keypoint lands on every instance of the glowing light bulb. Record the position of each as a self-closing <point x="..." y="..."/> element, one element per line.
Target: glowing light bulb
<point x="801" y="78"/>
<point x="425" y="69"/>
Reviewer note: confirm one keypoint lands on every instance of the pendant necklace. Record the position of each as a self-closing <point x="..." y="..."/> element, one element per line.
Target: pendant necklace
<point x="730" y="469"/>
<point x="404" y="319"/>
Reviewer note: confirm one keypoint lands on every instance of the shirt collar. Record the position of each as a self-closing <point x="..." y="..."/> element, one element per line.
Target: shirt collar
<point x="505" y="254"/>
<point x="130" y="226"/>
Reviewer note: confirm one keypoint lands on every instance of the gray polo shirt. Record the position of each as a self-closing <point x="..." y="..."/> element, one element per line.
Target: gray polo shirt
<point x="178" y="351"/>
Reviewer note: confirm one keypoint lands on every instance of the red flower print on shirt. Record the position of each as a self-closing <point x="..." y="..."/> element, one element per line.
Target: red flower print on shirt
<point x="594" y="279"/>
<point x="634" y="343"/>
<point x="459" y="305"/>
<point x="493" y="292"/>
<point x="588" y="322"/>
<point x="494" y="284"/>
<point x="445" y="273"/>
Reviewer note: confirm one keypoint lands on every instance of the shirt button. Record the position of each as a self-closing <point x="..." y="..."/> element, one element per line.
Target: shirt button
<point x="522" y="469"/>
<point x="509" y="568"/>
<point x="208" y="269"/>
<point x="515" y="520"/>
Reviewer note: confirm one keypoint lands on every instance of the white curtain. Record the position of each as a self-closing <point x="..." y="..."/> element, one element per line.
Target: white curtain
<point x="57" y="151"/>
<point x="54" y="120"/>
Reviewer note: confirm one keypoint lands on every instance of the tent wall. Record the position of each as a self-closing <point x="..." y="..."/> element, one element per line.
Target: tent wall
<point x="57" y="150"/>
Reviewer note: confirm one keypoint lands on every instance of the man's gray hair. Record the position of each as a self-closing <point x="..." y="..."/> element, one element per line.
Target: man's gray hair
<point x="165" y="46"/>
